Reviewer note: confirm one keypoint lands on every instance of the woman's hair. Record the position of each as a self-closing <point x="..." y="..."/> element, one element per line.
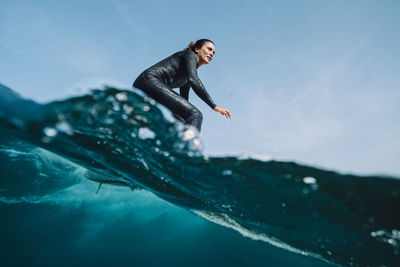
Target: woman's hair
<point x="198" y="44"/>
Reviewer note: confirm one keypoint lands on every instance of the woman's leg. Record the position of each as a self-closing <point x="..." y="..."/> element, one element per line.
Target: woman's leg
<point x="178" y="105"/>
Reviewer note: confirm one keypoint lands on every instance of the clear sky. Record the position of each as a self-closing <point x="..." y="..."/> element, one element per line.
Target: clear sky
<point x="317" y="82"/>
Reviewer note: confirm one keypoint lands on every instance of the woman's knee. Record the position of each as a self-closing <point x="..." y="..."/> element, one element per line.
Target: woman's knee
<point x="197" y="113"/>
<point x="195" y="119"/>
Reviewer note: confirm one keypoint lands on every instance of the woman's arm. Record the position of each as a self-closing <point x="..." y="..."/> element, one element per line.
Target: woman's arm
<point x="190" y="61"/>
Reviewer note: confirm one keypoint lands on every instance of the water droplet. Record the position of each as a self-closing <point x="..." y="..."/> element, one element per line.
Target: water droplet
<point x="227" y="172"/>
<point x="121" y="97"/>
<point x="64" y="127"/>
<point x="128" y="109"/>
<point x="196" y="143"/>
<point x="50" y="132"/>
<point x="116" y="107"/>
<point x="146" y="133"/>
<point x="306" y="191"/>
<point x="314" y="187"/>
<point x="109" y="121"/>
<point x="46" y="139"/>
<point x="309" y="180"/>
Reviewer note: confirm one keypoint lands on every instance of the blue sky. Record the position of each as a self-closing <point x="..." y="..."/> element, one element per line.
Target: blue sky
<point x="311" y="81"/>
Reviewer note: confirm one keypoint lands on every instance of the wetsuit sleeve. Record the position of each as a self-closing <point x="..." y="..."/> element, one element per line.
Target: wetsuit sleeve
<point x="190" y="61"/>
<point x="184" y="91"/>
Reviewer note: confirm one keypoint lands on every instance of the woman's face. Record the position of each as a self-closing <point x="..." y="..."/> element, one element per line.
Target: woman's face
<point x="205" y="53"/>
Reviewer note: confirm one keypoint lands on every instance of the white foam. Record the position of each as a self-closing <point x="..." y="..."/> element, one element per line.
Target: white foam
<point x="244" y="156"/>
<point x="226" y="221"/>
<point x="248" y="155"/>
<point x="14" y="153"/>
<point x="189" y="134"/>
<point x="29" y="199"/>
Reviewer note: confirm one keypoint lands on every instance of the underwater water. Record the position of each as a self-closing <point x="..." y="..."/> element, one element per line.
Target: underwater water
<point x="105" y="179"/>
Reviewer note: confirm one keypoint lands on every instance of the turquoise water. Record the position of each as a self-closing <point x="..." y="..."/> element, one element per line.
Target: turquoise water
<point x="106" y="179"/>
<point x="55" y="217"/>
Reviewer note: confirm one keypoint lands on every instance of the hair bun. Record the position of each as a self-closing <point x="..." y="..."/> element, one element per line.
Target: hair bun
<point x="190" y="46"/>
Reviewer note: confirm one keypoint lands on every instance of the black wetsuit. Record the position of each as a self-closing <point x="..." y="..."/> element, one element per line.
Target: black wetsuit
<point x="176" y="71"/>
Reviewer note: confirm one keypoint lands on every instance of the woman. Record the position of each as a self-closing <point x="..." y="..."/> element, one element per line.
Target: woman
<point x="180" y="71"/>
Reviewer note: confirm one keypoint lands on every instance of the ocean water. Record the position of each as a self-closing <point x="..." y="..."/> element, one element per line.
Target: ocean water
<point x="106" y="179"/>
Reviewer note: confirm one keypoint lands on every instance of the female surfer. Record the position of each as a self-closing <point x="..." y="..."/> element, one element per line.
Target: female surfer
<point x="180" y="71"/>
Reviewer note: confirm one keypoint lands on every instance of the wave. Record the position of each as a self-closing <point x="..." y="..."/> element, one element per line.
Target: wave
<point x="120" y="137"/>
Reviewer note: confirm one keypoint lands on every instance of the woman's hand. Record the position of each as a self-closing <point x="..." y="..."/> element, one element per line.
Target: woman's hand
<point x="223" y="111"/>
